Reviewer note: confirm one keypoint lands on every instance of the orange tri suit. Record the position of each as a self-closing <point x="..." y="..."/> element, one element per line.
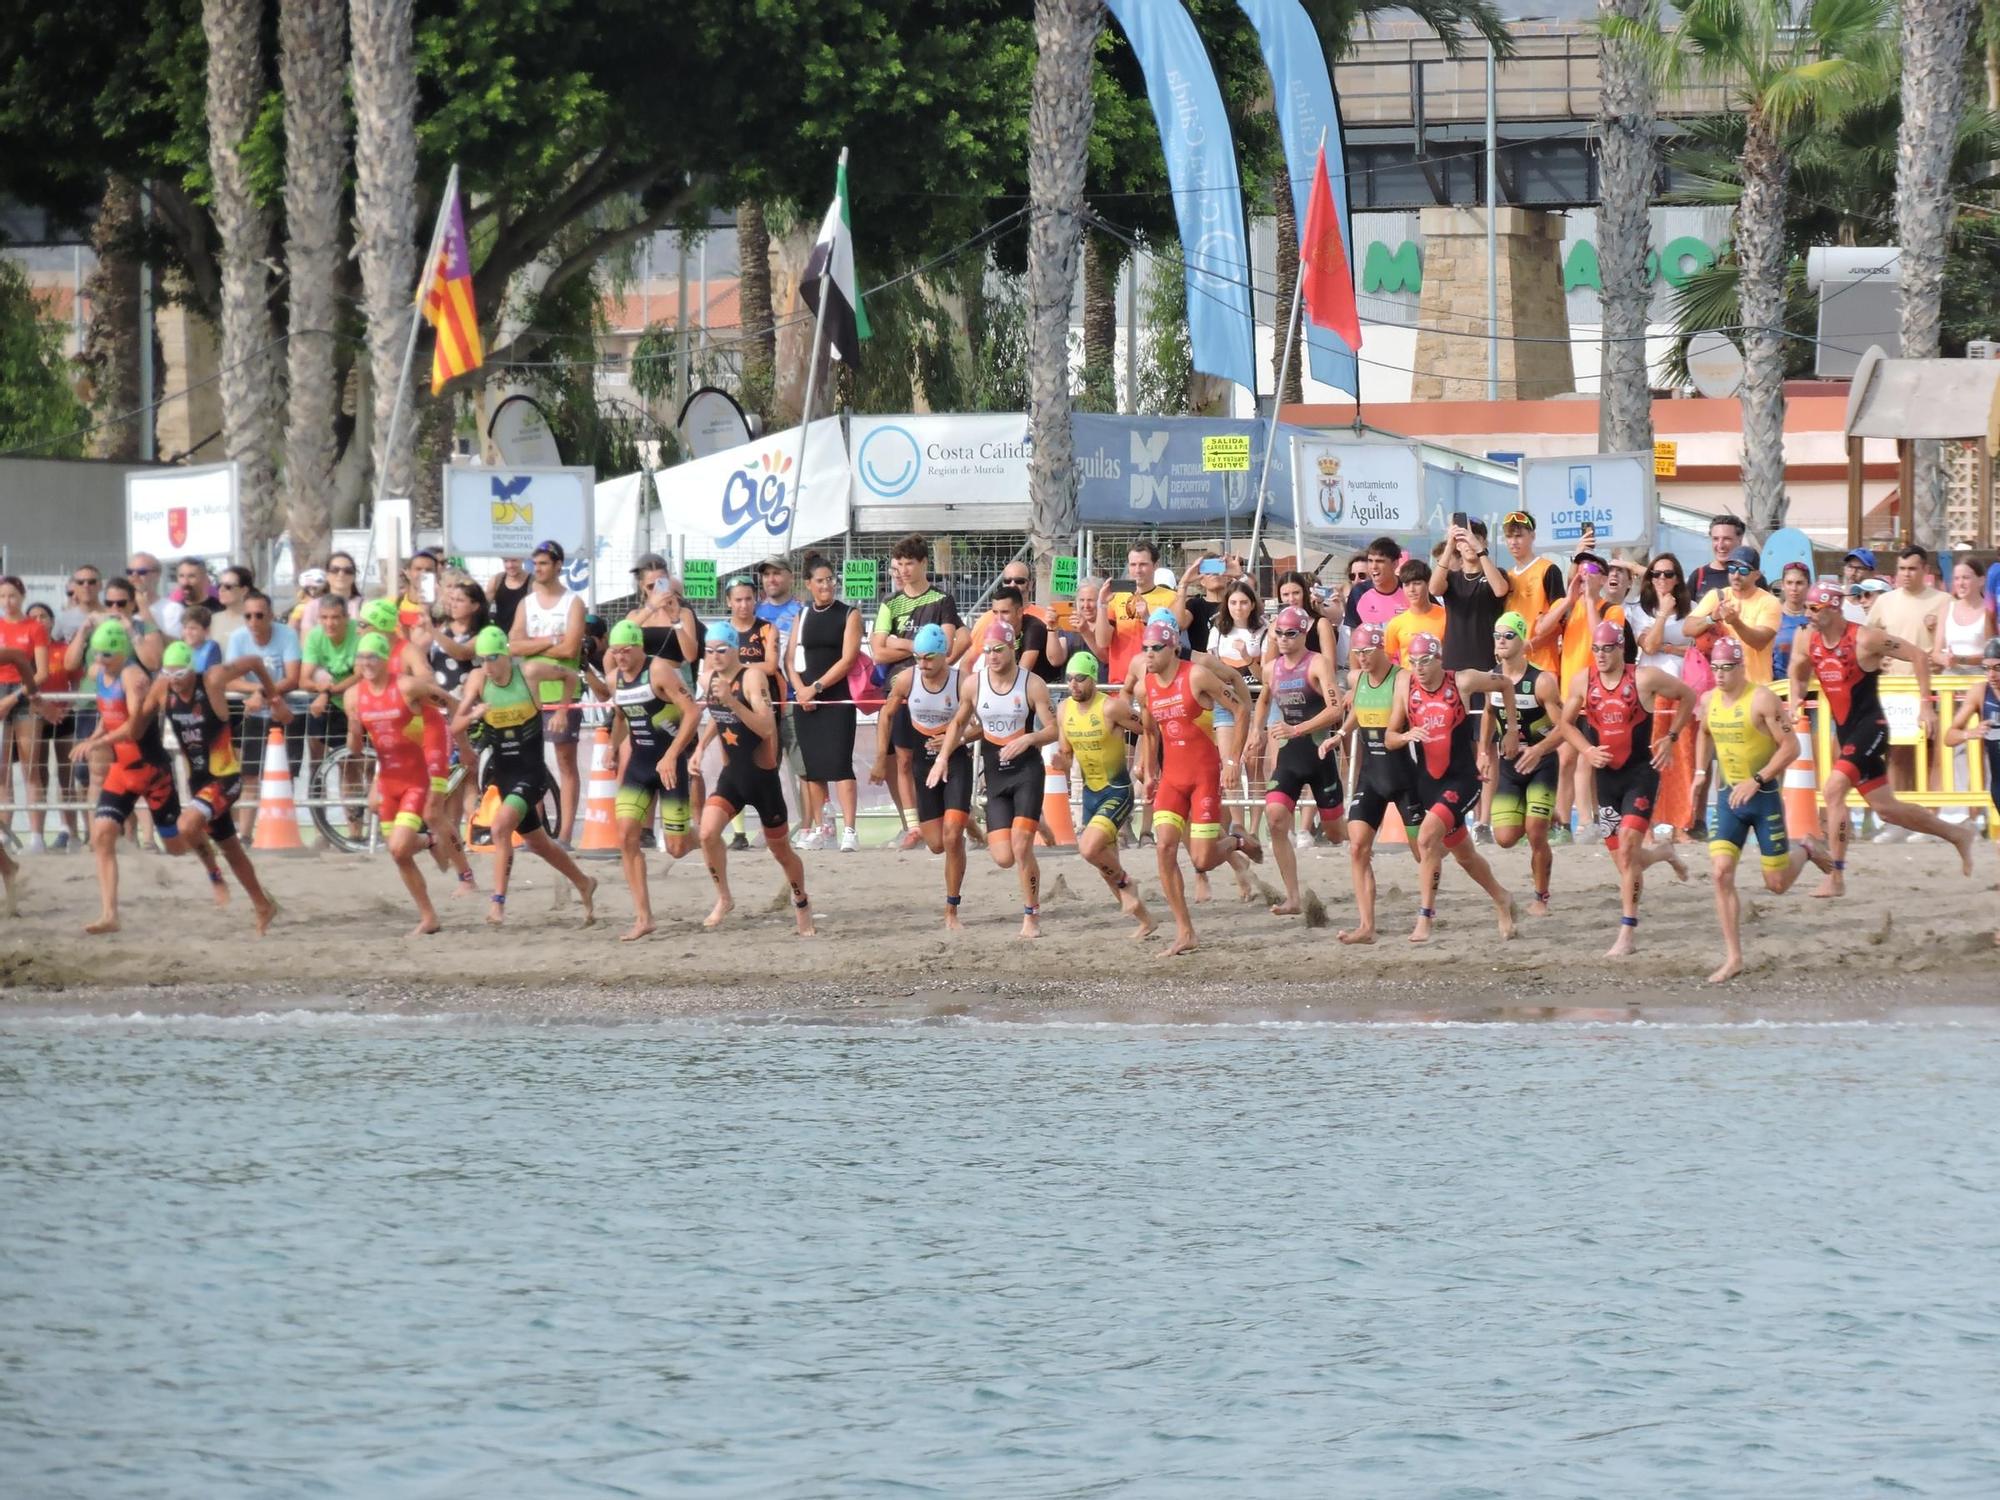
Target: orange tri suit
<point x="401" y="736"/>
<point x="1189" y="793"/>
<point x="140" y="770"/>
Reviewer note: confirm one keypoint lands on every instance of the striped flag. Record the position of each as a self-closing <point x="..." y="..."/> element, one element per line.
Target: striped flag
<point x="448" y="303"/>
<point x="833" y="257"/>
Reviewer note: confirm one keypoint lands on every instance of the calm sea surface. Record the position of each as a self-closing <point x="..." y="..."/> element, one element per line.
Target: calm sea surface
<point x="297" y="1256"/>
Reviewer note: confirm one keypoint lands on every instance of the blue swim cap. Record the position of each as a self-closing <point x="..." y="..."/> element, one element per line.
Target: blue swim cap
<point x="1164" y="617"/>
<point x="931" y="641"/>
<point x="722" y="633"/>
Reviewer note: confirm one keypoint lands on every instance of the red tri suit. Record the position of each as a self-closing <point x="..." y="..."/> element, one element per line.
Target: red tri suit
<point x="140" y="770"/>
<point x="400" y="735"/>
<point x="1190" y="789"/>
<point x="1447" y="754"/>
<point x="1854" y="698"/>
<point x="1616" y="720"/>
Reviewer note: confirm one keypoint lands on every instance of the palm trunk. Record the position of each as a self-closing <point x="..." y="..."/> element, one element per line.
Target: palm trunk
<point x="1760" y="249"/>
<point x="1059" y="119"/>
<point x="753" y="292"/>
<point x="1625" y="124"/>
<point x="111" y="343"/>
<point x="1934" y="39"/>
<point x="1100" y="322"/>
<point x="1288" y="280"/>
<point x="385" y="216"/>
<point x="251" y="377"/>
<point x="312" y="55"/>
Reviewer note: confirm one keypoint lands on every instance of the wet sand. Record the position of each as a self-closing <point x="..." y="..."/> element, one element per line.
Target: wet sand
<point x="1912" y="935"/>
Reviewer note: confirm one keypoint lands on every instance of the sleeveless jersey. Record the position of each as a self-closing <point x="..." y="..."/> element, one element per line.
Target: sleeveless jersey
<point x="549" y="619"/>
<point x="1184" y="724"/>
<point x="1850" y="693"/>
<point x="395" y="729"/>
<point x="204" y="737"/>
<point x="742" y="746"/>
<point x="1624" y="726"/>
<point x="1097" y="744"/>
<point x="1383" y="770"/>
<point x="1528" y="597"/>
<point x="1989" y="716"/>
<point x="1446" y="748"/>
<point x="931" y="710"/>
<point x="513" y="721"/>
<point x="1296" y="694"/>
<point x="1534" y="719"/>
<point x="1002" y="716"/>
<point x="651" y="720"/>
<point x="1742" y="748"/>
<point x="115" y="713"/>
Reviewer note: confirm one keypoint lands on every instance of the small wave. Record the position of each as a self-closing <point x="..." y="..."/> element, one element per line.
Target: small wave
<point x="300" y="1017"/>
<point x="1352" y="1023"/>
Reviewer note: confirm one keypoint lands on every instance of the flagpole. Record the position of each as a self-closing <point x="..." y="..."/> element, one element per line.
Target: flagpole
<point x="1277" y="398"/>
<point x="410" y="345"/>
<point x="812" y="384"/>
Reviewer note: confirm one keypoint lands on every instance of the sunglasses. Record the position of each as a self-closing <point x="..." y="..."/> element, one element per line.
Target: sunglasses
<point x="117" y="603"/>
<point x="342" y="572"/>
<point x="1664" y="573"/>
<point x="226" y="584"/>
<point x="141" y="572"/>
<point x="1019" y="583"/>
<point x="1737" y="570"/>
<point x="85" y="583"/>
<point x="248" y="616"/>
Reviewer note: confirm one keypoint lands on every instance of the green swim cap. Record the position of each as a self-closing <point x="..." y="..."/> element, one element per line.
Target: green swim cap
<point x="110" y="638"/>
<point x="1512" y="621"/>
<point x="1081" y="664"/>
<point x="380" y="614"/>
<point x="625" y="633"/>
<point x="373" y="645"/>
<point x="177" y="656"/>
<point x="492" y="641"/>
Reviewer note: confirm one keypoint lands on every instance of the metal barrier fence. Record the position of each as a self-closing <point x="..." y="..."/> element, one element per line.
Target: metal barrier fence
<point x="1943" y="777"/>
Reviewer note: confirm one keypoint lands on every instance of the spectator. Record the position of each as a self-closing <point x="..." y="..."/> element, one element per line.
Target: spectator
<point x="313" y="586"/>
<point x="121" y="602"/>
<point x="1793" y="582"/>
<point x="1474" y="589"/>
<point x="232" y="589"/>
<point x="1912" y="611"/>
<point x="1658" y="619"/>
<point x="264" y="635"/>
<point x="1420" y="612"/>
<point x="20" y="726"/>
<point x="420" y="588"/>
<point x="191" y="586"/>
<point x="510" y="586"/>
<point x="1063" y="644"/>
<point x="143" y="573"/>
<point x="1031" y="636"/>
<point x="196" y="623"/>
<point x="1966" y="623"/>
<point x="1857" y="572"/>
<point x="1329" y="632"/>
<point x="1385" y="599"/>
<point x="59" y="715"/>
<point x="1535" y="585"/>
<point x="1123" y="616"/>
<point x="1744" y="610"/>
<point x="343" y="581"/>
<point x="327" y="672"/>
<point x="1725" y="536"/>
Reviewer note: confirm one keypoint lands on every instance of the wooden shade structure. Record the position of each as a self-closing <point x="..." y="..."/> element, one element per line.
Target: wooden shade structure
<point x="1911" y="400"/>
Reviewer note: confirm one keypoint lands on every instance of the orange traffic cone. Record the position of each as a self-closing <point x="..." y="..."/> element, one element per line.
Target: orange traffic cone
<point x="600" y="808"/>
<point x="479" y="824"/>
<point x="1802" y="813"/>
<point x="1055" y="807"/>
<point x="277" y="813"/>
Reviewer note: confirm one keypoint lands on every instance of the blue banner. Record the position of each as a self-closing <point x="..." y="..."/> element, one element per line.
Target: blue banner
<point x="1149" y="471"/>
<point x="1302" y="92"/>
<point x="1208" y="194"/>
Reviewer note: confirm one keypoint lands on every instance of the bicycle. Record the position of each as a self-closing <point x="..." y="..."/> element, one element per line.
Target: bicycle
<point x="341" y="804"/>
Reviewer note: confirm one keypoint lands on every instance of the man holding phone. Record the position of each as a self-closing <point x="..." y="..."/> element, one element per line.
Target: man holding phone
<point x="1474" y="589"/>
<point x="1127" y="605"/>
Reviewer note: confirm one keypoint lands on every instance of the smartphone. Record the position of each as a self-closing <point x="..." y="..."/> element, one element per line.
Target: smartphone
<point x="427" y="587"/>
<point x="1121" y="586"/>
<point x="1458" y="519"/>
<point x="1213" y="566"/>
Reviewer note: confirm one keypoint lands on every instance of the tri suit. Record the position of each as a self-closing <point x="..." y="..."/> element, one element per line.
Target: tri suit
<point x="515" y="766"/>
<point x="749" y="776"/>
<point x="1516" y="798"/>
<point x="1098" y="748"/>
<point x="1852" y="697"/>
<point x="1628" y="786"/>
<point x="400" y="735"/>
<point x="1014" y="788"/>
<point x="140" y="770"/>
<point x="215" y="774"/>
<point x="1386" y="778"/>
<point x="651" y="722"/>
<point x="1300" y="767"/>
<point x="1447" y="753"/>
<point x="1189" y="793"/>
<point x="930" y="713"/>
<point x="1742" y="749"/>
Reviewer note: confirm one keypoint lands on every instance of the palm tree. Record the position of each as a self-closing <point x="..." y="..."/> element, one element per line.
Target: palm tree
<point x="1933" y="50"/>
<point x="753" y="301"/>
<point x="111" y="347"/>
<point x="1059" y="118"/>
<point x="1625" y="126"/>
<point x="385" y="213"/>
<point x="251" y="374"/>
<point x="1787" y="72"/>
<point x="1286" y="210"/>
<point x="312" y="57"/>
<point x="1102" y="257"/>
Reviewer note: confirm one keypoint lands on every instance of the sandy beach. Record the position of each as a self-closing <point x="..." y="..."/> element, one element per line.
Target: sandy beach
<point x="1912" y="932"/>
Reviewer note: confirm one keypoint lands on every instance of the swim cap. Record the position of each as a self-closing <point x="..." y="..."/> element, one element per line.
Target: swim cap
<point x="1826" y="594"/>
<point x="1159" y="635"/>
<point x="931" y="641"/>
<point x="1423" y="643"/>
<point x="999" y="633"/>
<point x="625" y="633"/>
<point x="492" y="641"/>
<point x="1083" y="664"/>
<point x="373" y="644"/>
<point x="1512" y="621"/>
<point x="1291" y="617"/>
<point x="1726" y="650"/>
<point x="1366" y="638"/>
<point x="722" y="633"/>
<point x="1992" y="651"/>
<point x="381" y="614"/>
<point x="110" y="638"/>
<point x="1607" y="634"/>
<point x="178" y="656"/>
<point x="1164" y="617"/>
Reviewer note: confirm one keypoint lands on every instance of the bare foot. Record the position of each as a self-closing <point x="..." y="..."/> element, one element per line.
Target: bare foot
<point x="267" y="913"/>
<point x="219" y="888"/>
<point x="1201" y="890"/>
<point x="639" y="928"/>
<point x="1183" y="942"/>
<point x="1031" y="927"/>
<point x="723" y="907"/>
<point x="1814" y="852"/>
<point x="1835" y="884"/>
<point x="1510" y="918"/>
<point x="1246" y="892"/>
<point x="463" y="887"/>
<point x="1678" y="865"/>
<point x="803" y="911"/>
<point x="1731" y="967"/>
<point x="425" y="928"/>
<point x="12" y="907"/>
<point x="1538" y="907"/>
<point x="1421" y="933"/>
<point x="1250" y="849"/>
<point x="588" y="895"/>
<point x="1965" y="838"/>
<point x="951" y="922"/>
<point x="1286" y="908"/>
<point x="101" y="926"/>
<point x="496" y="912"/>
<point x="1622" y="948"/>
<point x="1147" y="926"/>
<point x="1128" y="899"/>
<point x="1356" y="936"/>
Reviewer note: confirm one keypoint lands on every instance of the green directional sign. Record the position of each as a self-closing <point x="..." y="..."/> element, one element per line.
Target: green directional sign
<point x="698" y="578"/>
<point x="858" y="578"/>
<point x="1062" y="577"/>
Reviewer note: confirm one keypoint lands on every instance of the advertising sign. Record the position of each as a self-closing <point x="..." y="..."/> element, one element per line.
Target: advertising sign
<point x="1152" y="471"/>
<point x="1350" y="486"/>
<point x="940" y="460"/>
<point x="506" y="512"/>
<point x="1611" y="491"/>
<point x="182" y="512"/>
<point x="744" y="496"/>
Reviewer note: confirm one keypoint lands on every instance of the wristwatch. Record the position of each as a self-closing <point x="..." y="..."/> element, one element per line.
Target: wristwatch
<point x="1758" y="777"/>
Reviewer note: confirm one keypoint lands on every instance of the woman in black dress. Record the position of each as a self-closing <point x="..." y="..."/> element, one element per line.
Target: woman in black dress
<point x="825" y="644"/>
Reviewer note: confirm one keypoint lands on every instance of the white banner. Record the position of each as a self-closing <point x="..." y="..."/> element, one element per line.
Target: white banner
<point x="182" y="512"/>
<point x="1346" y="486"/>
<point x="940" y="460"/>
<point x="507" y="512"/>
<point x="620" y="535"/>
<point x="744" y="496"/>
<point x="1611" y="491"/>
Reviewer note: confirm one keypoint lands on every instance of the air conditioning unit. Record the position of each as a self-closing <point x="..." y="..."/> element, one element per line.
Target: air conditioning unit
<point x="1982" y="348"/>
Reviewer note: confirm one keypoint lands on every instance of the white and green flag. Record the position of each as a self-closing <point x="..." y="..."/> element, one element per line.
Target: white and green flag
<point x="832" y="258"/>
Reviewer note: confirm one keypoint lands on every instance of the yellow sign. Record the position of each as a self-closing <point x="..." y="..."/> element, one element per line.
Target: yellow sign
<point x="1666" y="460"/>
<point x="1228" y="455"/>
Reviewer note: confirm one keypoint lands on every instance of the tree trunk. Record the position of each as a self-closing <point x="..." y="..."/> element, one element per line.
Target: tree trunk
<point x="312" y="56"/>
<point x="1288" y="280"/>
<point x="1625" y="123"/>
<point x="1760" y="250"/>
<point x="1934" y="39"/>
<point x="111" y="343"/>
<point x="385" y="219"/>
<point x="753" y="293"/>
<point x="1059" y="118"/>
<point x="1101" y="259"/>
<point x="251" y="376"/>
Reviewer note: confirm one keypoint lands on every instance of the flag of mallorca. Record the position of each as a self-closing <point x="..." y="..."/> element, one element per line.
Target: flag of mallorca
<point x="833" y="259"/>
<point x="448" y="304"/>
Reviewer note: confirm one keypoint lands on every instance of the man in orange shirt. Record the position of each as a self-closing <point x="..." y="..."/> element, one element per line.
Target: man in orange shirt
<point x="1581" y="610"/>
<point x="1421" y="612"/>
<point x="1537" y="585"/>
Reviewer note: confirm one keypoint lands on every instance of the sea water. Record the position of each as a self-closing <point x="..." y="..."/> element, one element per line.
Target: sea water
<point x="295" y="1256"/>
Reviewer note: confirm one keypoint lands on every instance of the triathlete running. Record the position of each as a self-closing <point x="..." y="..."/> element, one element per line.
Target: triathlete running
<point x="926" y="699"/>
<point x="1524" y="790"/>
<point x="1090" y="735"/>
<point x="652" y="735"/>
<point x="398" y="715"/>
<point x="1303" y="697"/>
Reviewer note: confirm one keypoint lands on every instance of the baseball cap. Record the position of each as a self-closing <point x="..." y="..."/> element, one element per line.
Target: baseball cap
<point x="1607" y="634"/>
<point x="492" y="641"/>
<point x="930" y="641"/>
<point x="178" y="656"/>
<point x="372" y="644"/>
<point x="381" y="614"/>
<point x="552" y="548"/>
<point x="312" y="578"/>
<point x="1863" y="555"/>
<point x="1365" y="638"/>
<point x="1157" y="634"/>
<point x="1291" y="617"/>
<point x="1517" y="518"/>
<point x="1726" y="651"/>
<point x="1423" y="643"/>
<point x="625" y="633"/>
<point x="1826" y="594"/>
<point x="782" y="565"/>
<point x="1512" y="621"/>
<point x="651" y="562"/>
<point x="1083" y="664"/>
<point x="1745" y="557"/>
<point x="1583" y="558"/>
<point x="110" y="638"/>
<point x="722" y="633"/>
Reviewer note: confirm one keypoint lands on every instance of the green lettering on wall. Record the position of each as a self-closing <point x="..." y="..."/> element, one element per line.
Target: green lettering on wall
<point x="1401" y="270"/>
<point x="1581" y="268"/>
<point x="1686" y="248"/>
